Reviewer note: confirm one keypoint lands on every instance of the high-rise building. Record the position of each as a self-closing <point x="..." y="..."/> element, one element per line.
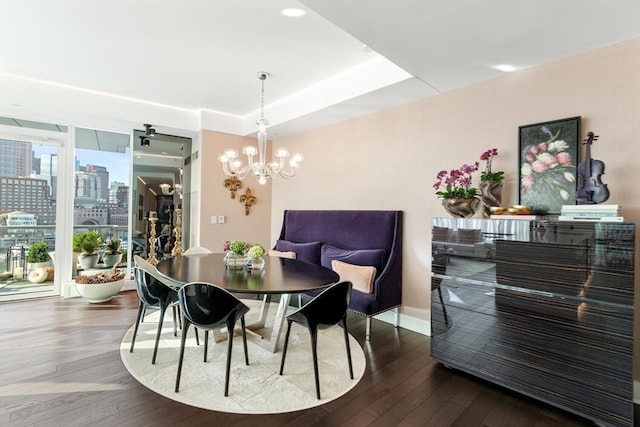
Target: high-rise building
<point x="116" y="191"/>
<point x="87" y="185"/>
<point x="103" y="182"/>
<point x="15" y="158"/>
<point x="49" y="171"/>
<point x="27" y="195"/>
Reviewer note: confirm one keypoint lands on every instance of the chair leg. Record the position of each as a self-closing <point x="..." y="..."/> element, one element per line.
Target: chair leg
<point x="367" y="328"/>
<point x="314" y="350"/>
<point x="175" y="321"/>
<point x="182" y="344"/>
<point x="163" y="310"/>
<point x="206" y="343"/>
<point x="229" y="348"/>
<point x="179" y="316"/>
<point x="135" y="330"/>
<point x="346" y="341"/>
<point x="244" y="341"/>
<point x="286" y="343"/>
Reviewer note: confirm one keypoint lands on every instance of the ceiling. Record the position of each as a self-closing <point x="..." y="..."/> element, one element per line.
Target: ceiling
<point x="342" y="59"/>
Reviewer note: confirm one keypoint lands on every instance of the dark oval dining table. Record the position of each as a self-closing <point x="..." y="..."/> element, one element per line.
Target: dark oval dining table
<point x="280" y="276"/>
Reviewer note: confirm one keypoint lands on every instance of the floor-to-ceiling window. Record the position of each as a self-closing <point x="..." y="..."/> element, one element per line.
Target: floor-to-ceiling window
<point x="29" y="195"/>
<point x="101" y="186"/>
<point x="55" y="181"/>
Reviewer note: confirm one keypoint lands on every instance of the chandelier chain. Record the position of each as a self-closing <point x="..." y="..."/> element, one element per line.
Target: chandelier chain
<point x="262" y="77"/>
<point x="260" y="168"/>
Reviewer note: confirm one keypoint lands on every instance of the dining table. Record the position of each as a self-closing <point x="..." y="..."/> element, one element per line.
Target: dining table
<point x="280" y="276"/>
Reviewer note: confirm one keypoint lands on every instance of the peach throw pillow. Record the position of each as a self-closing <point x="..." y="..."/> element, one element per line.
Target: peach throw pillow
<point x="360" y="276"/>
<point x="280" y="254"/>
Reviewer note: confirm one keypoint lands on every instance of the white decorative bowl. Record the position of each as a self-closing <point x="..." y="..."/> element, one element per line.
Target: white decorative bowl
<point x="99" y="292"/>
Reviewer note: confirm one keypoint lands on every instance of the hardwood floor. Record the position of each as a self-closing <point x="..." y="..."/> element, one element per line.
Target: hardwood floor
<point x="60" y="366"/>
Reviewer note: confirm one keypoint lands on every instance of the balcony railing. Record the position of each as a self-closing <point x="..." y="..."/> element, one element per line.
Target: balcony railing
<point x="23" y="236"/>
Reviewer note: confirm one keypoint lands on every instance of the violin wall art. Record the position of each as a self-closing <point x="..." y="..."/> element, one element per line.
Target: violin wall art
<point x="548" y="164"/>
<point x="591" y="189"/>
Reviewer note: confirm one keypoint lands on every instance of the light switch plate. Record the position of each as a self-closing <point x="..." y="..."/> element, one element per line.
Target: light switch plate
<point x="221" y="219"/>
<point x="214" y="219"/>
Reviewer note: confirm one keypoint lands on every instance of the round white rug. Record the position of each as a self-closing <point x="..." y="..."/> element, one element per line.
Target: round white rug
<point x="254" y="389"/>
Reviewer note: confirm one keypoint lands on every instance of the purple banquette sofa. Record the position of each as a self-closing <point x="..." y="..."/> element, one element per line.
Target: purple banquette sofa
<point x="358" y="237"/>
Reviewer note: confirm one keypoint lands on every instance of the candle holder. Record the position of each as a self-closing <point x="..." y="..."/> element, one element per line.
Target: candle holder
<point x="177" y="247"/>
<point x="152" y="241"/>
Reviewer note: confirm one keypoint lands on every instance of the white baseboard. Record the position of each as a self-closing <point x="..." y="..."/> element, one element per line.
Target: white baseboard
<point x="407" y="322"/>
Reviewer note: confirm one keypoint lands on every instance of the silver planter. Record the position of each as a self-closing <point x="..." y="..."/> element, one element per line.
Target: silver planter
<point x="461" y="208"/>
<point x="491" y="195"/>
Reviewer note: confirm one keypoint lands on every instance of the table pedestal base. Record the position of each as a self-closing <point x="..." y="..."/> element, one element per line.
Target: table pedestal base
<point x="266" y="336"/>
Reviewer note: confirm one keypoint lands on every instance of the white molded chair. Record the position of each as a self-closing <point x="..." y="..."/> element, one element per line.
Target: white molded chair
<point x="197" y="250"/>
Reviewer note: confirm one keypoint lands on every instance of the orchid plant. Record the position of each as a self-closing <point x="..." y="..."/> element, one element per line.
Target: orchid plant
<point x="488" y="174"/>
<point x="456" y="183"/>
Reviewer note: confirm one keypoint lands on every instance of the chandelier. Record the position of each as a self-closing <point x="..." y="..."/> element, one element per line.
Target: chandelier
<point x="233" y="166"/>
<point x="167" y="190"/>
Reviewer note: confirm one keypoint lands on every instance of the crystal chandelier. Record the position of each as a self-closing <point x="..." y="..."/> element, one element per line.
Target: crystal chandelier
<point x="233" y="166"/>
<point x="167" y="190"/>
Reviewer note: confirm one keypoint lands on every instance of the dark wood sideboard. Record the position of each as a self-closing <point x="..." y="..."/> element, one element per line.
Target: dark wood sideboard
<point x="542" y="307"/>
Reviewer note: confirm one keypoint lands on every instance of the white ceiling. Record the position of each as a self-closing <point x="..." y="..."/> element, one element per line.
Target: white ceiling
<point x="344" y="58"/>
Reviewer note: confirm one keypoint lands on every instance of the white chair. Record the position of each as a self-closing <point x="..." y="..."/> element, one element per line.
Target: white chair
<point x="197" y="250"/>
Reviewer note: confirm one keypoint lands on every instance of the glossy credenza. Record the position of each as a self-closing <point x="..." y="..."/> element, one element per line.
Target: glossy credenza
<point x="542" y="307"/>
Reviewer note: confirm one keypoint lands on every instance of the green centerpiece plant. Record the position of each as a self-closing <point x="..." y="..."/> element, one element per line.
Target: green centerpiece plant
<point x="255" y="254"/>
<point x="235" y="253"/>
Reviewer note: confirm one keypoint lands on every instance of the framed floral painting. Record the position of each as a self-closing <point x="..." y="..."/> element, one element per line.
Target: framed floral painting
<point x="548" y="160"/>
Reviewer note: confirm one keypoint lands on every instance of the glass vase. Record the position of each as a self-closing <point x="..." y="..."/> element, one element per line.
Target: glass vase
<point x="233" y="260"/>
<point x="490" y="195"/>
<point x="255" y="263"/>
<point x="461" y="208"/>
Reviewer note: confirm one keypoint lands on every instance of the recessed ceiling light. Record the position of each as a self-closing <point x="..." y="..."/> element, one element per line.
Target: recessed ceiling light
<point x="506" y="68"/>
<point x="293" y="12"/>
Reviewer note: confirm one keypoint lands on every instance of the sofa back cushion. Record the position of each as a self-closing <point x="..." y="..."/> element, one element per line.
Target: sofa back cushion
<point x="309" y="251"/>
<point x="343" y="228"/>
<point x="364" y="257"/>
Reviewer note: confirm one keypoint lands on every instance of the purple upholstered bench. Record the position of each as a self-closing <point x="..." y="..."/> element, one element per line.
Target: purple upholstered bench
<point x="351" y="241"/>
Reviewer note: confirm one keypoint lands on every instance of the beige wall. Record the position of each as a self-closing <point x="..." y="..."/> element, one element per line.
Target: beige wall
<point x="389" y="159"/>
<point x="216" y="199"/>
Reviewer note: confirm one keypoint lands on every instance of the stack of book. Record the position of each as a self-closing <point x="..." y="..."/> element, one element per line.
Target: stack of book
<point x="603" y="213"/>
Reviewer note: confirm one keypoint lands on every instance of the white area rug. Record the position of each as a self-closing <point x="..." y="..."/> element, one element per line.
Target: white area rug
<point x="253" y="389"/>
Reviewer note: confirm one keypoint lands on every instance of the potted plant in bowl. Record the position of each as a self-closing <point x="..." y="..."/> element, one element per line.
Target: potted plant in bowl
<point x="38" y="255"/>
<point x="100" y="287"/>
<point x="112" y="254"/>
<point x="37" y="259"/>
<point x="86" y="244"/>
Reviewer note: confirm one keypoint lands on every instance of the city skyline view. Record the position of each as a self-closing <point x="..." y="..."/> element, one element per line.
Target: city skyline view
<point x="117" y="164"/>
<point x="29" y="182"/>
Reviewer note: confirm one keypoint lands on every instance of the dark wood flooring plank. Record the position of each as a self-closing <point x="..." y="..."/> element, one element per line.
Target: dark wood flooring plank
<point x="60" y="365"/>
